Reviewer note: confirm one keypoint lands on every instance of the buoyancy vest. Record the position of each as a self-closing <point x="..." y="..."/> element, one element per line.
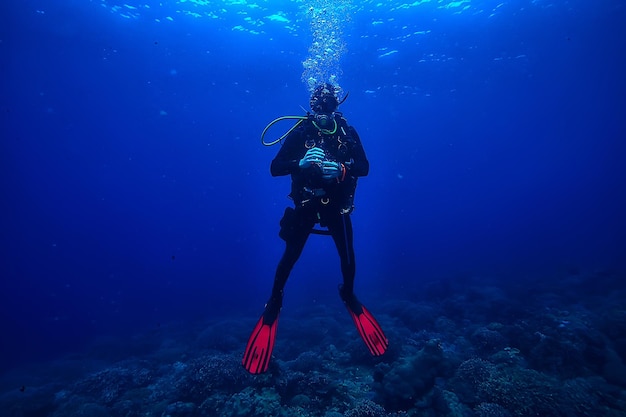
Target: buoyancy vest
<point x="337" y="141"/>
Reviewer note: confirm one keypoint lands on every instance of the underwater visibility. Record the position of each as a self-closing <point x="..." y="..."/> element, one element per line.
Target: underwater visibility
<point x="314" y="208"/>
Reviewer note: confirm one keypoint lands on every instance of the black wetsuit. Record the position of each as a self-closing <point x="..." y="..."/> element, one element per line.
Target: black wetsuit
<point x="327" y="202"/>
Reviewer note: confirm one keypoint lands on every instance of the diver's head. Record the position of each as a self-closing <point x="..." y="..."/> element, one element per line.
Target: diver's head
<point x="324" y="99"/>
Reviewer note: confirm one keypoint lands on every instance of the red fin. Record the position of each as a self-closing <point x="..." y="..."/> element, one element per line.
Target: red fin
<point x="256" y="358"/>
<point x="370" y="331"/>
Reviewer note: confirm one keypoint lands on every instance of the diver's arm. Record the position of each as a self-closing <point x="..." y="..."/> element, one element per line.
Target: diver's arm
<point x="360" y="166"/>
<point x="287" y="159"/>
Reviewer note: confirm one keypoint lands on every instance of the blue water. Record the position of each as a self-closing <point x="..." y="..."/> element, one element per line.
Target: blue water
<point x="137" y="194"/>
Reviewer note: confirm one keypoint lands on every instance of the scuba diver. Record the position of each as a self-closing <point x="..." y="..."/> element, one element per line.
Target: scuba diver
<point x="324" y="157"/>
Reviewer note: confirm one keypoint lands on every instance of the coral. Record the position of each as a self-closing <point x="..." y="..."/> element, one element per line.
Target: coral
<point x="305" y="362"/>
<point x="91" y="410"/>
<point x="614" y="369"/>
<point x="366" y="408"/>
<point x="487" y="341"/>
<point x="110" y="385"/>
<point x="445" y="325"/>
<point x="491" y="410"/>
<point x="179" y="409"/>
<point x="555" y="361"/>
<point x="522" y="392"/>
<point x="613" y="324"/>
<point x="314" y="385"/>
<point x="469" y="377"/>
<point x="126" y="408"/>
<point x="335" y="356"/>
<point x="300" y="400"/>
<point x="401" y="384"/>
<point x="80" y="408"/>
<point x="560" y="355"/>
<point x="446" y="403"/>
<point x="248" y="402"/>
<point x="591" y="397"/>
<point x="579" y="397"/>
<point x="509" y="356"/>
<point x="207" y="374"/>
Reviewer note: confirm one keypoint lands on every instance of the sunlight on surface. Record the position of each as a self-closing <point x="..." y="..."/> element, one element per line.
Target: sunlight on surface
<point x="331" y="27"/>
<point x="286" y="12"/>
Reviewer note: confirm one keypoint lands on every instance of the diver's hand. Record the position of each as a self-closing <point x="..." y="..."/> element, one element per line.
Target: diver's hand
<point x="331" y="170"/>
<point x="312" y="156"/>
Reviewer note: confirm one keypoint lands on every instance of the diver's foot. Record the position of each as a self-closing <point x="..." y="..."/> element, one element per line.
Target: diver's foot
<point x="367" y="326"/>
<point x="349" y="298"/>
<point x="272" y="308"/>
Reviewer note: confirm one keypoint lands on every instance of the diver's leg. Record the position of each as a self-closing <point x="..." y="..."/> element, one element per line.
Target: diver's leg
<point x="340" y="228"/>
<point x="294" y="245"/>
<point x="258" y="353"/>
<point x="367" y="326"/>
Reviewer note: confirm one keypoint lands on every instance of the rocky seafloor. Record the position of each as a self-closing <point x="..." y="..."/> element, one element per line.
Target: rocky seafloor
<point x="472" y="349"/>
